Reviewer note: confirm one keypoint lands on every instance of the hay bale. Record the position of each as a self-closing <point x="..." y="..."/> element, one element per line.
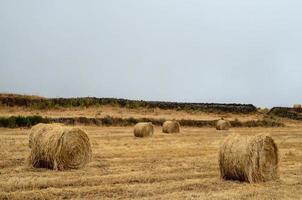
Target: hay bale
<point x="171" y="127"/>
<point x="249" y="158"/>
<point x="297" y="106"/>
<point x="143" y="129"/>
<point x="223" y="125"/>
<point x="58" y="147"/>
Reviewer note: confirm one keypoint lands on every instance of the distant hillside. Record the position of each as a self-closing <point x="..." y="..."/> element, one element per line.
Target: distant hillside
<point x="11" y="95"/>
<point x="290" y="113"/>
<point x="48" y="103"/>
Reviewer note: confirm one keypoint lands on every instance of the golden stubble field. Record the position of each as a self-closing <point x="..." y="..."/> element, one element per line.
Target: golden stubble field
<point x="115" y="111"/>
<point x="179" y="166"/>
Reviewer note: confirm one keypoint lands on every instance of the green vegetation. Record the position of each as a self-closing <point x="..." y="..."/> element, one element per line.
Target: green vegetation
<point x="53" y="103"/>
<point x="290" y="113"/>
<point x="21" y="121"/>
<point x="28" y="121"/>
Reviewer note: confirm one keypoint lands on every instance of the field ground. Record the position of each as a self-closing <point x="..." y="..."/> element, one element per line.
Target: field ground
<point x="116" y="111"/>
<point x="179" y="166"/>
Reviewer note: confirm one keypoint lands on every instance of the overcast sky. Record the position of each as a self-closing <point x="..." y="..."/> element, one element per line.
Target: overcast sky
<point x="238" y="51"/>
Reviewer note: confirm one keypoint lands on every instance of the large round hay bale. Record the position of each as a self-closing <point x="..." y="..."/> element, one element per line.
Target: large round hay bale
<point x="223" y="125"/>
<point x="143" y="129"/>
<point x="249" y="158"/>
<point x="58" y="147"/>
<point x="171" y="127"/>
<point x="297" y="106"/>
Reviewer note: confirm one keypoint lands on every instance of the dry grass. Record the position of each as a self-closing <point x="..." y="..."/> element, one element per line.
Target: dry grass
<point x="177" y="166"/>
<point x="143" y="129"/>
<point x="249" y="158"/>
<point x="115" y="111"/>
<point x="171" y="127"/>
<point x="223" y="125"/>
<point x="58" y="147"/>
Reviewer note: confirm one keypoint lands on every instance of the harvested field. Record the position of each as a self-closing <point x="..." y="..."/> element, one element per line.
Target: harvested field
<point x="44" y="103"/>
<point x="118" y="116"/>
<point x="177" y="166"/>
<point x="115" y="111"/>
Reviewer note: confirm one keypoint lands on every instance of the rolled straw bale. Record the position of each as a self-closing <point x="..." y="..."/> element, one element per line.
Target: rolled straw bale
<point x="143" y="129"/>
<point x="296" y="106"/>
<point x="249" y="158"/>
<point x="171" y="127"/>
<point x="58" y="147"/>
<point x="223" y="125"/>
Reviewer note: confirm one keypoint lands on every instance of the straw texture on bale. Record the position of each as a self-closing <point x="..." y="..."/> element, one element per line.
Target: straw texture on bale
<point x="223" y="125"/>
<point x="252" y="159"/>
<point x="297" y="106"/>
<point x="57" y="147"/>
<point x="143" y="129"/>
<point x="171" y="127"/>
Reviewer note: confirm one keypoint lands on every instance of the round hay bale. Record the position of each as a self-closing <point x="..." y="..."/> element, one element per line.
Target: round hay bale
<point x="58" y="147"/>
<point x="171" y="127"/>
<point x="297" y="106"/>
<point x="143" y="129"/>
<point x="249" y="158"/>
<point x="223" y="125"/>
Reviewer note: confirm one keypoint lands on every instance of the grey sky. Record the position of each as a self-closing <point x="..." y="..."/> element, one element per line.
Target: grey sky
<point x="239" y="51"/>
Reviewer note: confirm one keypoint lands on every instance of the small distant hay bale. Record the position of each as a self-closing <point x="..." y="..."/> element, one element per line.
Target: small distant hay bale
<point x="297" y="106"/>
<point x="171" y="127"/>
<point x="249" y="158"/>
<point x="58" y="147"/>
<point x="223" y="125"/>
<point x="143" y="129"/>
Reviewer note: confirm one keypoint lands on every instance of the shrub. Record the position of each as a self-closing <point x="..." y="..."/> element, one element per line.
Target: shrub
<point x="21" y="121"/>
<point x="132" y="120"/>
<point x="107" y="120"/>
